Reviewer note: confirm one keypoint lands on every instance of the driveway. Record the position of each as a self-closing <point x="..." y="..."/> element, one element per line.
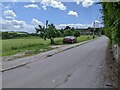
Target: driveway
<point x="79" y="67"/>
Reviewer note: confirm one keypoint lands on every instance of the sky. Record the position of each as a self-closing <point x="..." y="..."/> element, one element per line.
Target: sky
<point x="25" y="16"/>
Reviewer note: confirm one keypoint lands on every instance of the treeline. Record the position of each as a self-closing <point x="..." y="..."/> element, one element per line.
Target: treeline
<point x="67" y="31"/>
<point x="50" y="32"/>
<point x="111" y="18"/>
<point x="14" y="35"/>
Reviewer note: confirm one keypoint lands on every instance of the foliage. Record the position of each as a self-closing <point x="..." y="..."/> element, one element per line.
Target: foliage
<point x="76" y="33"/>
<point x="111" y="18"/>
<point x="68" y="32"/>
<point x="49" y="32"/>
<point x="12" y="35"/>
<point x="12" y="46"/>
<point x="67" y="27"/>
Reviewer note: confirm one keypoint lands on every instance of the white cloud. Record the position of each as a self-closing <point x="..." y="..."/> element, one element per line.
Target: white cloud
<point x="31" y="6"/>
<point x="53" y="3"/>
<point x="36" y="22"/>
<point x="9" y="14"/>
<point x="1" y="5"/>
<point x="13" y="24"/>
<point x="7" y="6"/>
<point x="16" y="25"/>
<point x="78" y="1"/>
<point x="87" y="3"/>
<point x="62" y="26"/>
<point x="19" y="25"/>
<point x="0" y="23"/>
<point x="97" y="23"/>
<point x="44" y="7"/>
<point x="73" y="13"/>
<point x="33" y="1"/>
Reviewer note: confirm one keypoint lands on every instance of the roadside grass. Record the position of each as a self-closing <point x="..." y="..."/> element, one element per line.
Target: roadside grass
<point x="84" y="38"/>
<point x="14" y="46"/>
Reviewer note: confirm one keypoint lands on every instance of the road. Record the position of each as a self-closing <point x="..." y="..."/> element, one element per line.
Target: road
<point x="80" y="67"/>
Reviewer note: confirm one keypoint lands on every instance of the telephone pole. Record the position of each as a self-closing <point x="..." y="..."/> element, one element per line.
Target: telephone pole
<point x="93" y="29"/>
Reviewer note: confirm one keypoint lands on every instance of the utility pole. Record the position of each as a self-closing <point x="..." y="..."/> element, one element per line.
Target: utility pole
<point x="93" y="29"/>
<point x="46" y="23"/>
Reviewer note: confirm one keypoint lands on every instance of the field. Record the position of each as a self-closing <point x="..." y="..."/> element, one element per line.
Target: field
<point x="14" y="46"/>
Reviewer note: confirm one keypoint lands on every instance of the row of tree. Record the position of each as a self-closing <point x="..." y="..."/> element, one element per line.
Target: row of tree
<point x="111" y="18"/>
<point x="14" y="35"/>
<point x="50" y="32"/>
<point x="7" y="35"/>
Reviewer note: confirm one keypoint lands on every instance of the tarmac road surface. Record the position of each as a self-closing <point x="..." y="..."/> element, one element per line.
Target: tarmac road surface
<point x="79" y="67"/>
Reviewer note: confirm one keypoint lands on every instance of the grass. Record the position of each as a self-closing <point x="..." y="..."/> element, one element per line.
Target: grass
<point x="84" y="38"/>
<point x="14" y="46"/>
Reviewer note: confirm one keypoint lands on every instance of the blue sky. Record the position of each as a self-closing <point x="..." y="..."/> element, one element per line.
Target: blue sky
<point x="59" y="13"/>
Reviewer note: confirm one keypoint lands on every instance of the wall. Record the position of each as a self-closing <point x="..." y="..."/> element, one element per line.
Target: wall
<point x="116" y="52"/>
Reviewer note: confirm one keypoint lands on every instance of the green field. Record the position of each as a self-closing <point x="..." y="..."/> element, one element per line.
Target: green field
<point x="13" y="46"/>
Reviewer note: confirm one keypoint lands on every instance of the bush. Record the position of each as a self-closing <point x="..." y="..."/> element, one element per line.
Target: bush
<point x="76" y="33"/>
<point x="68" y="32"/>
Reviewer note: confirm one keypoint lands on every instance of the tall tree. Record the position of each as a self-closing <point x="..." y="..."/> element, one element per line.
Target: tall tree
<point x="76" y="33"/>
<point x="49" y="32"/>
<point x="68" y="32"/>
<point x="67" y="27"/>
<point x="111" y="18"/>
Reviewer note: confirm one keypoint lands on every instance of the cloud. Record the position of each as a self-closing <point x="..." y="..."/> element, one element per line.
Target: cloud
<point x="16" y="25"/>
<point x="73" y="13"/>
<point x="1" y="5"/>
<point x="31" y="6"/>
<point x="7" y="6"/>
<point x="36" y="22"/>
<point x="62" y="26"/>
<point x="85" y="3"/>
<point x="78" y="1"/>
<point x="97" y="23"/>
<point x="33" y="1"/>
<point x="9" y="14"/>
<point x="19" y="25"/>
<point x="44" y="7"/>
<point x="12" y="24"/>
<point x="52" y="3"/>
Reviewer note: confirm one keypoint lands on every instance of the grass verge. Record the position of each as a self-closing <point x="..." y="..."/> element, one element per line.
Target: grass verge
<point x="35" y="44"/>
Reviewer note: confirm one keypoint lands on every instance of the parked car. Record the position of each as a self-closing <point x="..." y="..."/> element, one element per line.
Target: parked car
<point x="69" y="39"/>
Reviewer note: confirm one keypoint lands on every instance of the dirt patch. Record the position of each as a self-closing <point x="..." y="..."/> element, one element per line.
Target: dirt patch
<point x="111" y="74"/>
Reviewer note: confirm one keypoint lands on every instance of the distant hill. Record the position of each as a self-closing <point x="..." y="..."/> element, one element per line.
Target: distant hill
<point x="18" y="32"/>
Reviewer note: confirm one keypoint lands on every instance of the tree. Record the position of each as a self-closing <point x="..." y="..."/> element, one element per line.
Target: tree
<point x="111" y="18"/>
<point x="68" y="32"/>
<point x="76" y="33"/>
<point x="42" y="31"/>
<point x="5" y="35"/>
<point x="49" y="32"/>
<point x="67" y="27"/>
